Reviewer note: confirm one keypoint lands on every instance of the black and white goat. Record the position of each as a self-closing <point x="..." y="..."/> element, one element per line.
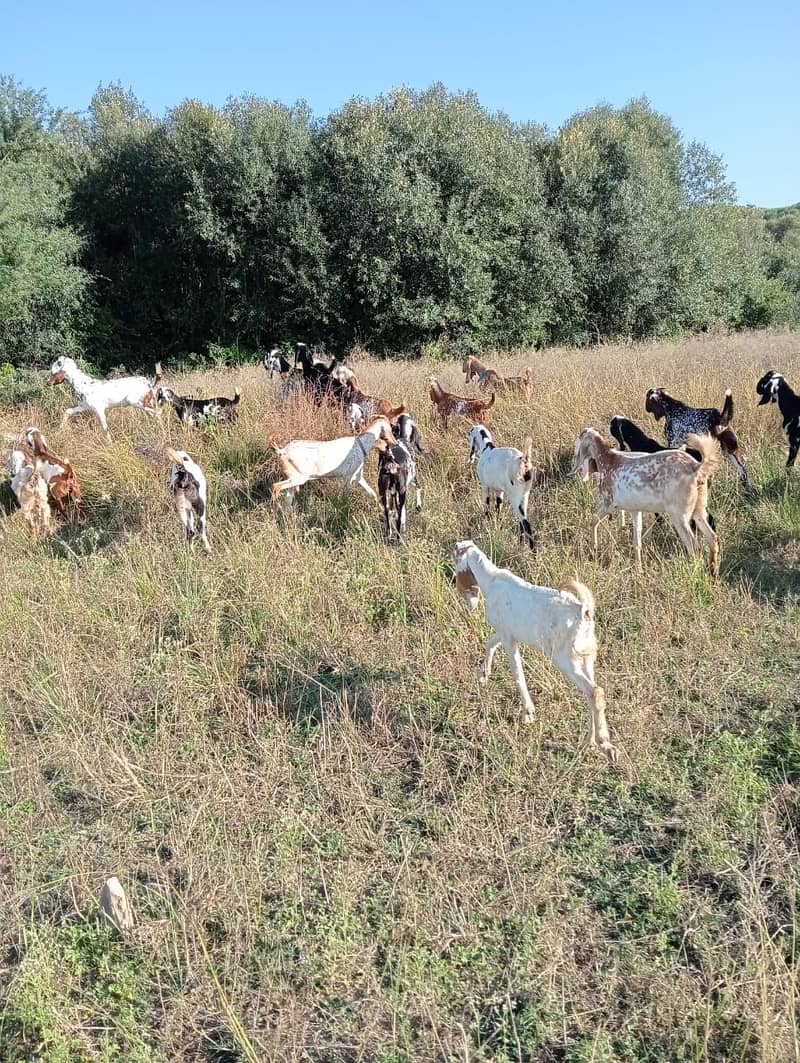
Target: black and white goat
<point x="504" y="472"/>
<point x="188" y="486"/>
<point x="200" y="411"/>
<point x="772" y="387"/>
<point x="406" y="431"/>
<point x="681" y="420"/>
<point x="397" y="474"/>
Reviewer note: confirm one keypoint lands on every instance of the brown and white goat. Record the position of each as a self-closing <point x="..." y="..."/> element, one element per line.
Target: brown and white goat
<point x="558" y="622"/>
<point x="449" y="405"/>
<point x="671" y="482"/>
<point x="30" y="487"/>
<point x="521" y="385"/>
<point x="62" y="483"/>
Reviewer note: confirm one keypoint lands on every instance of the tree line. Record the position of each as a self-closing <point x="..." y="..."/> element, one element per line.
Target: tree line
<point x="415" y="221"/>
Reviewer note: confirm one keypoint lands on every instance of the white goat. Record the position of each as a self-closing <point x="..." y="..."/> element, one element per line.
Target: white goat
<point x="558" y="622"/>
<point x="504" y="472"/>
<point x="302" y="460"/>
<point x="670" y="481"/>
<point x="98" y="396"/>
<point x="188" y="486"/>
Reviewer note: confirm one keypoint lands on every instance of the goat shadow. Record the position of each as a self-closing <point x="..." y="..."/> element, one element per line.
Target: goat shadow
<point x="306" y="691"/>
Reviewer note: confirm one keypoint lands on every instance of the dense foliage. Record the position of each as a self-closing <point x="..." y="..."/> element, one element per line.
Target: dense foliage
<point x="410" y="220"/>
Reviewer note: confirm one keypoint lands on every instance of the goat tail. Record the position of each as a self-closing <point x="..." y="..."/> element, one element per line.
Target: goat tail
<point x="709" y="455"/>
<point x="236" y="396"/>
<point x="727" y="410"/>
<point x="526" y="463"/>
<point x="491" y="402"/>
<point x="158" y="375"/>
<point x="582" y="593"/>
<point x="273" y="442"/>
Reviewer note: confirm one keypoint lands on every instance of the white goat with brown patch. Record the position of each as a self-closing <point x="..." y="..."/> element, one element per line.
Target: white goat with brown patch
<point x="504" y="472"/>
<point x="558" y="622"/>
<point x="671" y="482"/>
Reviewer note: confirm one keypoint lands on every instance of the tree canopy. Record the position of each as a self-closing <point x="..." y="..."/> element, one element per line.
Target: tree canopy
<point x="413" y="218"/>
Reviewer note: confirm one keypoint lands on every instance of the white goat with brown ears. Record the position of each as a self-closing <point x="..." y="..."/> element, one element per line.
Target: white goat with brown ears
<point x="558" y="622"/>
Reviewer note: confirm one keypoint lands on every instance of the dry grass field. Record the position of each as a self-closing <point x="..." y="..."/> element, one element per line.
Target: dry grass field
<point x="338" y="846"/>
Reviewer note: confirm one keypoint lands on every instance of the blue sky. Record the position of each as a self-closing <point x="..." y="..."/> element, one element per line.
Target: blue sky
<point x="726" y="73"/>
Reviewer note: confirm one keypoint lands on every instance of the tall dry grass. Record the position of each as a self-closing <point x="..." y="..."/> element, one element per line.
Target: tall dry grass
<point x="338" y="846"/>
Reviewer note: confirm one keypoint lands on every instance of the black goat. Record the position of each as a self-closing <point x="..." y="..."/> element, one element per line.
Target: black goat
<point x="323" y="382"/>
<point x="199" y="411"/>
<point x="772" y="387"/>
<point x="682" y="419"/>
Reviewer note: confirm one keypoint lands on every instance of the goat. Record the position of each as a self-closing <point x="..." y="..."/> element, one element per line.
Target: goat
<point x="98" y="396"/>
<point x="449" y="405"/>
<point x="197" y="412"/>
<point x="322" y="382"/>
<point x="291" y="376"/>
<point x="681" y="419"/>
<point x="397" y="472"/>
<point x="671" y="482"/>
<point x="772" y="387"/>
<point x="30" y="487"/>
<point x="558" y="622"/>
<point x="406" y="431"/>
<point x="302" y="460"/>
<point x="188" y="486"/>
<point x="364" y="407"/>
<point x="504" y="472"/>
<point x="62" y="483"/>
<point x="473" y="369"/>
<point x="523" y="385"/>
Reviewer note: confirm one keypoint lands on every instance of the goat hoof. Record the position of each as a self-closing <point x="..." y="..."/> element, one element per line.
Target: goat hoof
<point x="530" y="716"/>
<point x="483" y="678"/>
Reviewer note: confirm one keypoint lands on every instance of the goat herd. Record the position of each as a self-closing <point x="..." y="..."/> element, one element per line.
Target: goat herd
<point x="642" y="476"/>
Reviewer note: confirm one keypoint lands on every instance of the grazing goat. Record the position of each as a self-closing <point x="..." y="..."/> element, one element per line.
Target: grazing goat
<point x="772" y="387"/>
<point x="302" y="460"/>
<point x="522" y="385"/>
<point x="504" y="472"/>
<point x="188" y="486"/>
<point x="98" y="396"/>
<point x="406" y="431"/>
<point x="30" y="487"/>
<point x="558" y="622"/>
<point x="62" y="483"/>
<point x="397" y="472"/>
<point x="631" y="437"/>
<point x="449" y="405"/>
<point x="671" y="482"/>
<point x="200" y="411"/>
<point x="682" y="419"/>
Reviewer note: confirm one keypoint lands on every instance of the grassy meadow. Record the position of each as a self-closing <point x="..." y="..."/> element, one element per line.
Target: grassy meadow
<point x="337" y="845"/>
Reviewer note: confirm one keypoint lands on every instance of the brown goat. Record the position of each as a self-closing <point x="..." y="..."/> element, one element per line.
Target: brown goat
<point x="448" y="405"/>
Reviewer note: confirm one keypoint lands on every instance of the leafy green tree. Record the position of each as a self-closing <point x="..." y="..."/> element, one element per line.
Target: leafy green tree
<point x="43" y="289"/>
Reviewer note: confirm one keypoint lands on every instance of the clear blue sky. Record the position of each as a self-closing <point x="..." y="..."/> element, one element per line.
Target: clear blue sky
<point x="726" y="73"/>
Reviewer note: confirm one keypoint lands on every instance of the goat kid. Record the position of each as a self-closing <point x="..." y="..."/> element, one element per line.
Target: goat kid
<point x="363" y="407"/>
<point x="670" y="482"/>
<point x="198" y="412"/>
<point x="504" y="472"/>
<point x="681" y="419"/>
<point x="30" y="488"/>
<point x="558" y="622"/>
<point x="772" y="387"/>
<point x="188" y="486"/>
<point x="397" y="473"/>
<point x="62" y="483"/>
<point x="406" y="431"/>
<point x="98" y="396"/>
<point x="448" y="405"/>
<point x="302" y="460"/>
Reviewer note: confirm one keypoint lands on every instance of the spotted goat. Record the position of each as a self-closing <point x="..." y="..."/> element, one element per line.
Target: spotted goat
<point x="680" y="420"/>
